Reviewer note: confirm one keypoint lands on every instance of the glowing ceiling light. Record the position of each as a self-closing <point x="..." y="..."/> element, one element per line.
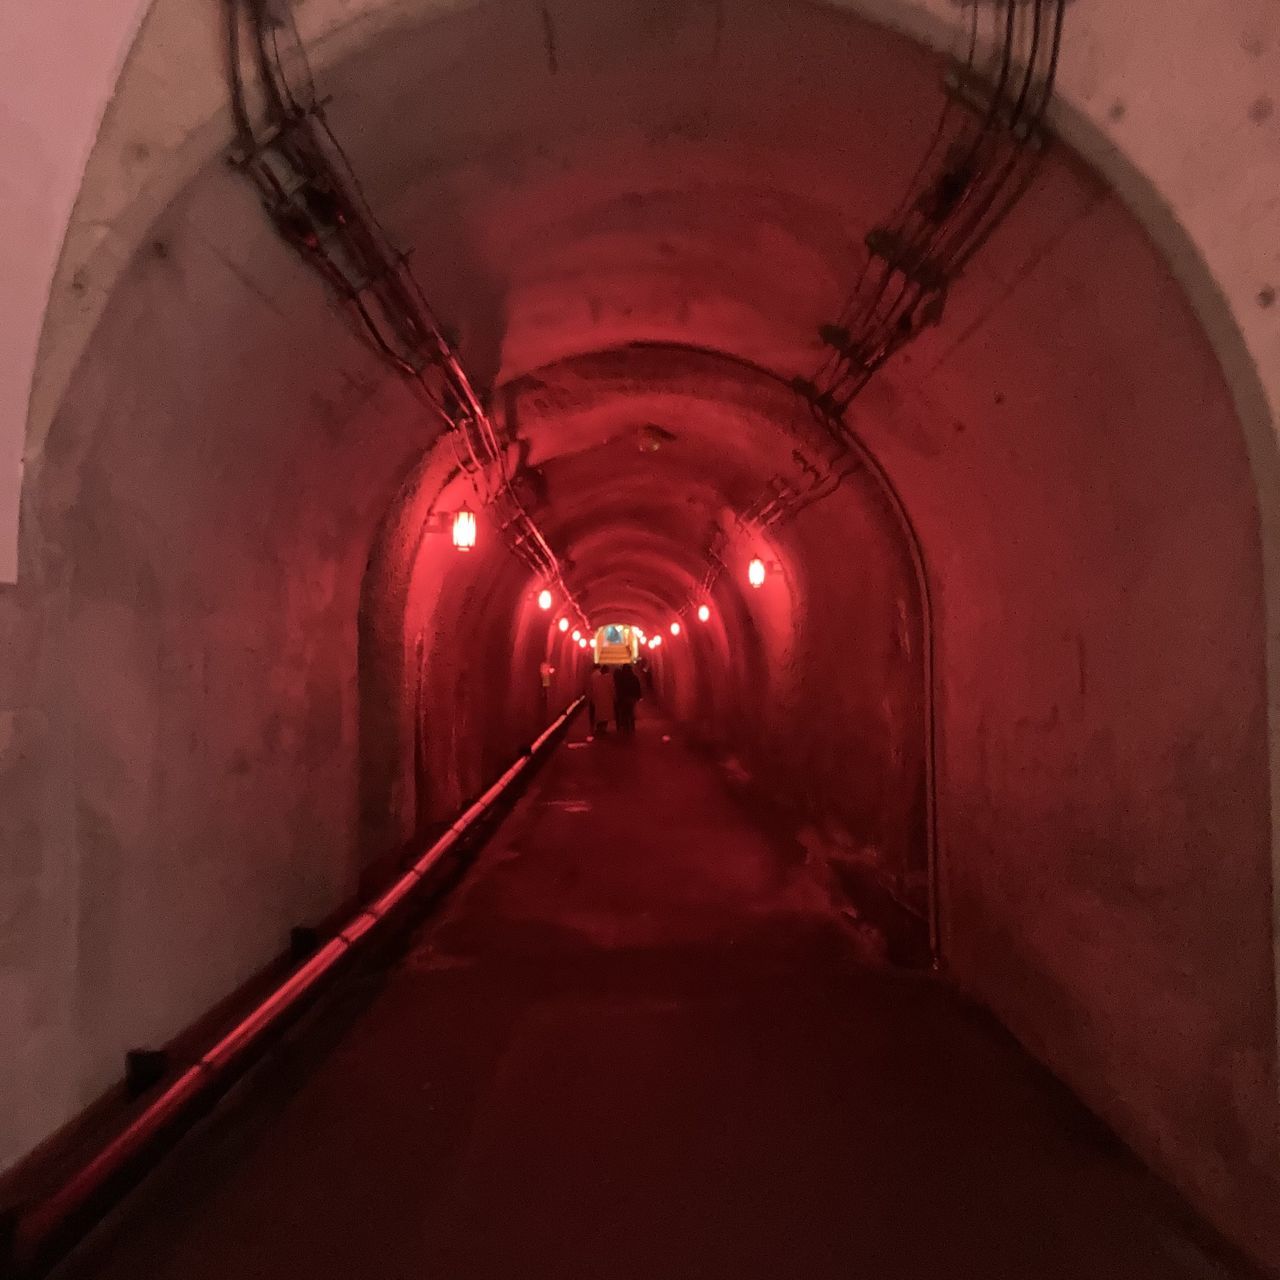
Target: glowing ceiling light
<point x="464" y="529"/>
<point x="544" y="599"/>
<point x="755" y="572"/>
<point x="675" y="628"/>
<point x="577" y="635"/>
<point x="563" y="624"/>
<point x="704" y="613"/>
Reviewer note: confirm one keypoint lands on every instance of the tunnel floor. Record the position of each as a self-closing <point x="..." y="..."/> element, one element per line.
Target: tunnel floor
<point x="640" y="1041"/>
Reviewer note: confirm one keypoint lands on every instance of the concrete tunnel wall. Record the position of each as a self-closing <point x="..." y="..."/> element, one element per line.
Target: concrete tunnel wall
<point x="815" y="684"/>
<point x="816" y="688"/>
<point x="185" y="781"/>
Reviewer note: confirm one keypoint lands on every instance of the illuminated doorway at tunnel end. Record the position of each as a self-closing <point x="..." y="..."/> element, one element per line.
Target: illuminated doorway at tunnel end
<point x="617" y="644"/>
<point x="1004" y="720"/>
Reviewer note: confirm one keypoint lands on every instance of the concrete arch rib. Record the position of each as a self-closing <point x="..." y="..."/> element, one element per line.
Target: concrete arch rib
<point x="664" y="361"/>
<point x="131" y="167"/>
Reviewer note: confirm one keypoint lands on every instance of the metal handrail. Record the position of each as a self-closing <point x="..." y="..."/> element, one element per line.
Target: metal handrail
<point x="44" y="1231"/>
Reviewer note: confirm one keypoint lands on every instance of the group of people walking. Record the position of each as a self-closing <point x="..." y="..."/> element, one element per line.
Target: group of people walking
<point x="612" y="696"/>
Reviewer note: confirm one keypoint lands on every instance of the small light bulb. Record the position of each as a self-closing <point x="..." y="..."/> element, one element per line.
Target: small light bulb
<point x="563" y="624"/>
<point x="755" y="572"/>
<point x="464" y="529"/>
<point x="577" y="635"/>
<point x="544" y="599"/>
<point x="675" y="628"/>
<point x="703" y="613"/>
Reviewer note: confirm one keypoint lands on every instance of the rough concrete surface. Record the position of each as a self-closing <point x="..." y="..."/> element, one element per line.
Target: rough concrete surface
<point x="642" y="1042"/>
<point x="243" y="668"/>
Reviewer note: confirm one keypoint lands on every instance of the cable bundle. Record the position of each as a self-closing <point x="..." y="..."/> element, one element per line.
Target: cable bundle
<point x="311" y="193"/>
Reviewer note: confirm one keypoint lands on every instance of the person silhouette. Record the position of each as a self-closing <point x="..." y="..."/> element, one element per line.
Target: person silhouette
<point x="627" y="692"/>
<point x="601" y="698"/>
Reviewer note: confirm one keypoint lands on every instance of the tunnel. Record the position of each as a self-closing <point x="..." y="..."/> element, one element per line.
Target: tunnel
<point x="955" y="754"/>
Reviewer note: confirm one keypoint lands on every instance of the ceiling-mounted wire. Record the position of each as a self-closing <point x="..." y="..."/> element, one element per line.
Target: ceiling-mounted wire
<point x="310" y="190"/>
<point x="950" y="209"/>
<point x="971" y="176"/>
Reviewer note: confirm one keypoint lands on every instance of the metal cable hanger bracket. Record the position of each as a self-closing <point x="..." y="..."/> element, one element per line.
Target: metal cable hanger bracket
<point x="982" y="157"/>
<point x="311" y="193"/>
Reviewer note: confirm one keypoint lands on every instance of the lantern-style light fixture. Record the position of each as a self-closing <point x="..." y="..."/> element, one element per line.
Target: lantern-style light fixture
<point x="563" y="624"/>
<point x="704" y="613"/>
<point x="464" y="529"/>
<point x="756" y="572"/>
<point x="544" y="599"/>
<point x="675" y="628"/>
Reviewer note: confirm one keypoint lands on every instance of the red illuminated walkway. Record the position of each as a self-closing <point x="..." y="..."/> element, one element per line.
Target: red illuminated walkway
<point x="639" y="1043"/>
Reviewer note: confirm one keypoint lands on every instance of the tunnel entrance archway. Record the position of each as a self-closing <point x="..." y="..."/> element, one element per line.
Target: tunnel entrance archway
<point x="1102" y="813"/>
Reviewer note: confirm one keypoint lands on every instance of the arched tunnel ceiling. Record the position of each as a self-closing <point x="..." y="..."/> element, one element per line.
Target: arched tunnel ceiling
<point x="646" y="452"/>
<point x="658" y="188"/>
<point x="663" y="260"/>
<point x="1180" y="72"/>
<point x="686" y="211"/>
<point x="686" y="208"/>
<point x="683" y="206"/>
<point x="636" y="234"/>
